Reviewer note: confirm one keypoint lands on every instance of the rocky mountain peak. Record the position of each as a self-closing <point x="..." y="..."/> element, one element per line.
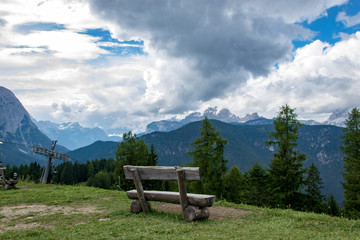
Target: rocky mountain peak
<point x="338" y="117"/>
<point x="15" y="122"/>
<point x="12" y="112"/>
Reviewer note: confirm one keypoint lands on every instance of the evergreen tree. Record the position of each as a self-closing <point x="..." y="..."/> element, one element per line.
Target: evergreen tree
<point x="23" y="171"/>
<point x="131" y="151"/>
<point x="257" y="190"/>
<point x="208" y="155"/>
<point x="76" y="170"/>
<point x="234" y="185"/>
<point x="153" y="161"/>
<point x="286" y="171"/>
<point x="90" y="169"/>
<point x="35" y="172"/>
<point x="67" y="174"/>
<point x="333" y="207"/>
<point x="314" y="200"/>
<point x="351" y="151"/>
<point x="101" y="180"/>
<point x="153" y="157"/>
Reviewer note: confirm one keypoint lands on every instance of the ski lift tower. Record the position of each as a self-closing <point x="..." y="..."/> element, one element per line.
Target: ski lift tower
<point x="51" y="154"/>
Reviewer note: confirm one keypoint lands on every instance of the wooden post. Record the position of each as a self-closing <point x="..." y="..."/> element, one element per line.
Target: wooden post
<point x="140" y="190"/>
<point x="182" y="190"/>
<point x="193" y="213"/>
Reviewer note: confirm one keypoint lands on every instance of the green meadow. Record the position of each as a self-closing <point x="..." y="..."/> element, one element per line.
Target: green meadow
<point x="34" y="211"/>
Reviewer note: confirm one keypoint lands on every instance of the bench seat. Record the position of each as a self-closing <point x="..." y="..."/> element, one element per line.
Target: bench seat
<point x="174" y="197"/>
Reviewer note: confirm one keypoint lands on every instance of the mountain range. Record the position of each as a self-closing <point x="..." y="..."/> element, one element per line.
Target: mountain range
<point x="246" y="146"/>
<point x="18" y="133"/>
<point x="72" y="135"/>
<point x="246" y="140"/>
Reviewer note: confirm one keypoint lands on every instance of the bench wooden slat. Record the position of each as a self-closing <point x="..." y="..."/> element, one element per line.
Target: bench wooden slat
<point x="162" y="173"/>
<point x="174" y="197"/>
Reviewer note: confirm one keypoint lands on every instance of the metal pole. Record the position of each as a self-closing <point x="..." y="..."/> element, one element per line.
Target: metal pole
<point x="45" y="176"/>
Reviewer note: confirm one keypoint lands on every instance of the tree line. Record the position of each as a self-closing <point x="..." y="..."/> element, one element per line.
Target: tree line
<point x="284" y="184"/>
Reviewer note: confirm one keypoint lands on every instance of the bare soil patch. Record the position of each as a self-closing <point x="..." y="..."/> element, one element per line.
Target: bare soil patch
<point x="216" y="213"/>
<point x="12" y="213"/>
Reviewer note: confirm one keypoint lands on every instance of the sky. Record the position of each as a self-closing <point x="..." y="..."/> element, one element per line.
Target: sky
<point x="124" y="64"/>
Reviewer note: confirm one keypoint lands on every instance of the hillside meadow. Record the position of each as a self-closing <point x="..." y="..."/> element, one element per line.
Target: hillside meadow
<point x="34" y="211"/>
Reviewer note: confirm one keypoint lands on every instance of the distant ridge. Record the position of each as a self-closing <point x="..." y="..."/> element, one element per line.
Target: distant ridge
<point x="223" y="115"/>
<point x="246" y="146"/>
<point x="18" y="132"/>
<point x="72" y="135"/>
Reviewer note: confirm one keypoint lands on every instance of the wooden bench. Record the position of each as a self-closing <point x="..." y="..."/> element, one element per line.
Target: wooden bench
<point x="194" y="206"/>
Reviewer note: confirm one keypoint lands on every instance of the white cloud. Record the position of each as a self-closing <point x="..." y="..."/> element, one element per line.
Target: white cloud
<point x="292" y="11"/>
<point x="319" y="79"/>
<point x="199" y="54"/>
<point x="66" y="44"/>
<point x="349" y="21"/>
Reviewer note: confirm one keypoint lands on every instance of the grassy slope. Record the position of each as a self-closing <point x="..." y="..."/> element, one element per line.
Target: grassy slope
<point x="121" y="224"/>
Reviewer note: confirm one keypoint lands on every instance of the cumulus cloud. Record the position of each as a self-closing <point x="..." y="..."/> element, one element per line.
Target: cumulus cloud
<point x="198" y="54"/>
<point x="318" y="80"/>
<point x="204" y="49"/>
<point x="349" y="21"/>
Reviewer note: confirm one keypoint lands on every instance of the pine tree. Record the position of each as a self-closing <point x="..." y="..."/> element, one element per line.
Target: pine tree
<point x="67" y="174"/>
<point x="333" y="207"/>
<point x="351" y="151"/>
<point x="314" y="200"/>
<point x="234" y="185"/>
<point x="100" y="180"/>
<point x="286" y="171"/>
<point x="131" y="151"/>
<point x="257" y="190"/>
<point x="208" y="155"/>
<point x="153" y="157"/>
<point x="153" y="161"/>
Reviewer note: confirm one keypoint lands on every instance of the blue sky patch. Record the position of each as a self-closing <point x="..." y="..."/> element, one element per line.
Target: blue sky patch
<point x="328" y="28"/>
<point x="38" y="26"/>
<point x="113" y="45"/>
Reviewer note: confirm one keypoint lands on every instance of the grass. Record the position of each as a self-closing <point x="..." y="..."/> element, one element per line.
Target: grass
<point x="113" y="220"/>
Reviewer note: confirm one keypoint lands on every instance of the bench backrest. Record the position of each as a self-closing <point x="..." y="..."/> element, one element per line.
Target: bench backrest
<point x="162" y="173"/>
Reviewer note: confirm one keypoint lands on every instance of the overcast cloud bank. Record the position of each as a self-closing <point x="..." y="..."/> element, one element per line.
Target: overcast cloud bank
<point x="232" y="54"/>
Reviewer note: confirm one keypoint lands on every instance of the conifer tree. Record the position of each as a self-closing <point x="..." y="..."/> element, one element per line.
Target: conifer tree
<point x="234" y="185"/>
<point x="67" y="174"/>
<point x="257" y="191"/>
<point x="101" y="180"/>
<point x="314" y="200"/>
<point x="351" y="151"/>
<point x="208" y="155"/>
<point x="333" y="207"/>
<point x="153" y="157"/>
<point x="131" y="151"/>
<point x="286" y="169"/>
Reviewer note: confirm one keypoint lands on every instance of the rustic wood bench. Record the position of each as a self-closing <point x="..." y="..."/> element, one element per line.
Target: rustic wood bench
<point x="194" y="206"/>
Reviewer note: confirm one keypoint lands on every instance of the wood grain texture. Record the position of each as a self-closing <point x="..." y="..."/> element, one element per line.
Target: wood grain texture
<point x="174" y="197"/>
<point x="182" y="191"/>
<point x="162" y="173"/>
<point x="193" y="213"/>
<point x="139" y="190"/>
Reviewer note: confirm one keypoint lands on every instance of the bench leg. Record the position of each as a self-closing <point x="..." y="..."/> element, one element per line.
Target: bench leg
<point x="135" y="206"/>
<point x="140" y="190"/>
<point x="193" y="213"/>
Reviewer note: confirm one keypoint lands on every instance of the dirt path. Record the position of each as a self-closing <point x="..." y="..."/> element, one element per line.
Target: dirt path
<point x="28" y="211"/>
<point x="216" y="213"/>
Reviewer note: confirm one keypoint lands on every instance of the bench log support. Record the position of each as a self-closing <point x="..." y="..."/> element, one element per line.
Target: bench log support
<point x="193" y="206"/>
<point x="182" y="191"/>
<point x="140" y="190"/>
